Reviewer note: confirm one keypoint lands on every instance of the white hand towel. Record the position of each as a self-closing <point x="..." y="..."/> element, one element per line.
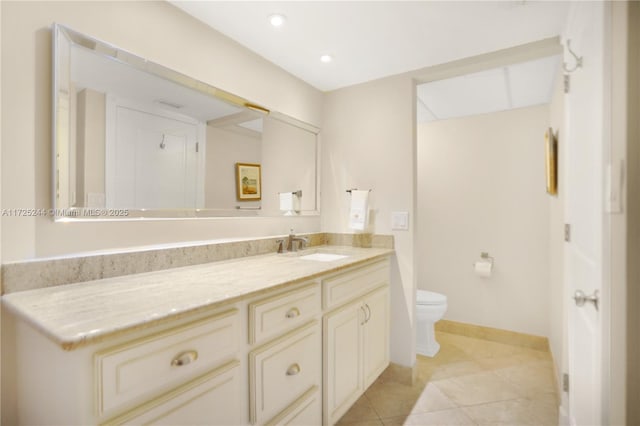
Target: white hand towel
<point x="359" y="212"/>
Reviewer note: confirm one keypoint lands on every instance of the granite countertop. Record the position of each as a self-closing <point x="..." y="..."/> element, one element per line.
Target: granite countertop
<point x="77" y="314"/>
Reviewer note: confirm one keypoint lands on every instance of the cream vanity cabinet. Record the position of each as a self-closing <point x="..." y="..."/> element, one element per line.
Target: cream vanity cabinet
<point x="285" y="363"/>
<point x="299" y="354"/>
<point x="183" y="372"/>
<point x="356" y="335"/>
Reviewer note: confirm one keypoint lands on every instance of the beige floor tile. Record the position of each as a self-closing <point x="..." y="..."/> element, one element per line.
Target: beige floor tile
<point x="376" y="422"/>
<point x="477" y="389"/>
<point x="546" y="408"/>
<point x="448" y="353"/>
<point x="455" y="369"/>
<point x="526" y="356"/>
<point x="361" y="411"/>
<point x="514" y="412"/>
<point x="440" y="418"/>
<point x="530" y="379"/>
<point x="392" y="399"/>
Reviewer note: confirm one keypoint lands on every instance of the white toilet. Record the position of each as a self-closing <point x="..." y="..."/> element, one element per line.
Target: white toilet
<point x="430" y="307"/>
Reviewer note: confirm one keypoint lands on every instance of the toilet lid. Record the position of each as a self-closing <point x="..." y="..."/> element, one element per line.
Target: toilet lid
<point x="425" y="297"/>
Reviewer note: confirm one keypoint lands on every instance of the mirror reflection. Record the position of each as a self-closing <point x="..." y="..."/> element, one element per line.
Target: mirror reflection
<point x="130" y="134"/>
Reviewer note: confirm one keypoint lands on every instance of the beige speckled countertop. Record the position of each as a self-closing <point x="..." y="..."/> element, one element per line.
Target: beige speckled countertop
<point x="77" y="314"/>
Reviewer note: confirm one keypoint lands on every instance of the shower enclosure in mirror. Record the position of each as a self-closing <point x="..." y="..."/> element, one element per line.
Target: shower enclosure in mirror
<point x="138" y="139"/>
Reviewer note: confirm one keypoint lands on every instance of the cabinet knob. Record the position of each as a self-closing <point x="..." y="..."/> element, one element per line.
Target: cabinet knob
<point x="184" y="358"/>
<point x="293" y="369"/>
<point x="293" y="312"/>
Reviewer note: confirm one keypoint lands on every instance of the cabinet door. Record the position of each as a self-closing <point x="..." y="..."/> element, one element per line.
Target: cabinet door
<point x="342" y="357"/>
<point x="282" y="371"/>
<point x="376" y="335"/>
<point x="213" y="399"/>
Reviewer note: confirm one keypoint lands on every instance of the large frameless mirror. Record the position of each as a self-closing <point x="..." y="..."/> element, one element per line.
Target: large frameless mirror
<point x="135" y="139"/>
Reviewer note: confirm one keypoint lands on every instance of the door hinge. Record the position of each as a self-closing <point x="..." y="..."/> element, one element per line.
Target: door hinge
<point x="567" y="83"/>
<point x="567" y="232"/>
<point x="565" y="382"/>
<point x="197" y="146"/>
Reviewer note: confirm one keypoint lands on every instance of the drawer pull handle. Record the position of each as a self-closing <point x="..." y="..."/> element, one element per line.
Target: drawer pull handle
<point x="293" y="370"/>
<point x="184" y="358"/>
<point x="293" y="312"/>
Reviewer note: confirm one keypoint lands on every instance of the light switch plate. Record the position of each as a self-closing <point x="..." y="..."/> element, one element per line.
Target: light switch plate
<point x="400" y="221"/>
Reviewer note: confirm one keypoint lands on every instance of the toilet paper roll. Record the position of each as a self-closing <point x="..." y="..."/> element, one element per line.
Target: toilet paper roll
<point x="483" y="268"/>
<point x="289" y="201"/>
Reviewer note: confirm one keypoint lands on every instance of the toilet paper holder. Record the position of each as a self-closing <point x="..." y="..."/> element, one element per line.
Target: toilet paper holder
<point x="484" y="256"/>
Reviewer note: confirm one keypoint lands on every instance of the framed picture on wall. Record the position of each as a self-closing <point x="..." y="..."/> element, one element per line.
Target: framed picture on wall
<point x="551" y="157"/>
<point x="248" y="182"/>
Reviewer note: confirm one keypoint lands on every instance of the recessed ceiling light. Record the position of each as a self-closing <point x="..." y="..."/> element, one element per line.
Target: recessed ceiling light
<point x="326" y="58"/>
<point x="277" y="20"/>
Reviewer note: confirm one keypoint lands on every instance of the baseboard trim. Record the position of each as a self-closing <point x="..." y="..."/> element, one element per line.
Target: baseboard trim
<point x="514" y="338"/>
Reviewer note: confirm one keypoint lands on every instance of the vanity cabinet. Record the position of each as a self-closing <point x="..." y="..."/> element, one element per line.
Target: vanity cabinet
<point x="212" y="399"/>
<point x="356" y="346"/>
<point x="285" y="373"/>
<point x="300" y="354"/>
<point x="188" y="369"/>
<point x="140" y="369"/>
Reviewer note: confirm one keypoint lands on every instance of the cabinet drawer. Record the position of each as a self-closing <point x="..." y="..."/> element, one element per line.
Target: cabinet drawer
<point x="146" y="367"/>
<point x="213" y="399"/>
<point x="278" y="314"/>
<point x="307" y="410"/>
<point x="348" y="285"/>
<point x="282" y="371"/>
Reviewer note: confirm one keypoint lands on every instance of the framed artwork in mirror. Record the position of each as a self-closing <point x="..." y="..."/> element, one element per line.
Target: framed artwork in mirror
<point x="248" y="182"/>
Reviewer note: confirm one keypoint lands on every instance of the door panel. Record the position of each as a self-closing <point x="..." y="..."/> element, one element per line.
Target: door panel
<point x="585" y="115"/>
<point x="376" y="335"/>
<point x="156" y="161"/>
<point x="343" y="370"/>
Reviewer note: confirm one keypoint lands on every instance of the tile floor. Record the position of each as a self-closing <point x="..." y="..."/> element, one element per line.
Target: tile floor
<point x="469" y="382"/>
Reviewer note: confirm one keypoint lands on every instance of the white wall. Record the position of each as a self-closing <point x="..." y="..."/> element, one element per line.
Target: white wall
<point x="161" y="33"/>
<point x="481" y="188"/>
<point x="557" y="313"/>
<point x="368" y="143"/>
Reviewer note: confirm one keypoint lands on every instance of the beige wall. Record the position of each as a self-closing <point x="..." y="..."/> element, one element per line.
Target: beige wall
<point x="90" y="142"/>
<point x="288" y="155"/>
<point x="224" y="149"/>
<point x="368" y="143"/>
<point x="557" y="314"/>
<point x="161" y="33"/>
<point x="481" y="188"/>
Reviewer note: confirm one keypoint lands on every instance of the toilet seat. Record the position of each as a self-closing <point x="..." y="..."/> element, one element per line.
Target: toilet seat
<point x="425" y="297"/>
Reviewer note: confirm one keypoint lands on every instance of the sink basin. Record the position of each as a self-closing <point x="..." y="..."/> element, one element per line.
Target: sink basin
<point x="323" y="257"/>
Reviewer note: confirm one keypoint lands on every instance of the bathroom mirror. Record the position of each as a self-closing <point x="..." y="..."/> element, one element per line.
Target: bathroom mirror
<point x="133" y="138"/>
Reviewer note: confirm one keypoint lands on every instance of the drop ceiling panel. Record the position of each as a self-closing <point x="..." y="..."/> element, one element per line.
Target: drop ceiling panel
<point x="532" y="82"/>
<point x="423" y="114"/>
<point x="471" y="94"/>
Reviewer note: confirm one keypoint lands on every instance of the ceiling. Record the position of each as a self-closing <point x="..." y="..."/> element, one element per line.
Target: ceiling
<point x="498" y="89"/>
<point x="375" y="39"/>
